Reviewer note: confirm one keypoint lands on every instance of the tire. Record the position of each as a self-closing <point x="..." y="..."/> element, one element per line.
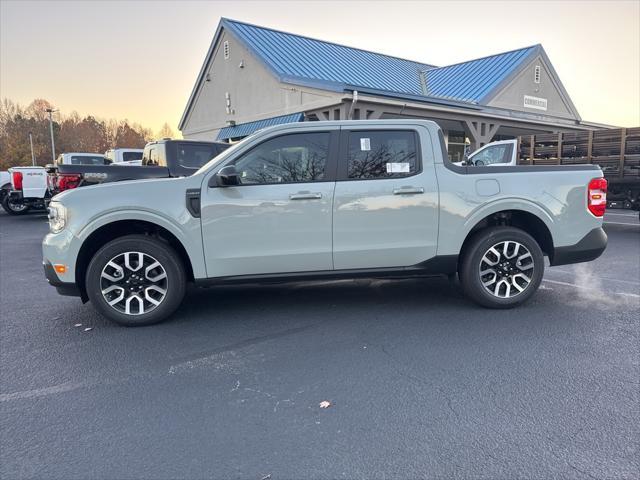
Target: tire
<point x="516" y="273"/>
<point x="14" y="208"/>
<point x="139" y="294"/>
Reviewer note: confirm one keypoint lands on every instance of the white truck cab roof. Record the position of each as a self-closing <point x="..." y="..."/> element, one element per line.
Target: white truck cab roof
<point x="120" y="155"/>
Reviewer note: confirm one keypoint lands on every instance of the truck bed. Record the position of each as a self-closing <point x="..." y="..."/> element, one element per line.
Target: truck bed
<point x="95" y="174"/>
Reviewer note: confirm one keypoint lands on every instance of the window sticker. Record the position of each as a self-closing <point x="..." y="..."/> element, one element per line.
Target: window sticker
<point x="365" y="144"/>
<point x="398" y="167"/>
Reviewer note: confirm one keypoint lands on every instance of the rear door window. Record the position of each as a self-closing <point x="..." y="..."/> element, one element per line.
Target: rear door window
<point x="378" y="154"/>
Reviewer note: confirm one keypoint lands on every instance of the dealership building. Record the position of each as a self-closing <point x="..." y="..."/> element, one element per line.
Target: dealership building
<point x="254" y="77"/>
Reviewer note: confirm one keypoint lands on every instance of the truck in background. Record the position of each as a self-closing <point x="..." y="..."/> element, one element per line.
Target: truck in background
<point x="497" y="154"/>
<point x="28" y="189"/>
<point x="160" y="159"/>
<point x="124" y="156"/>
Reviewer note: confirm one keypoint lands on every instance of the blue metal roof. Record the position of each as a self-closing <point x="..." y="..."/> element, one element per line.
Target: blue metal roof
<point x="329" y="66"/>
<point x="244" y="129"/>
<point x="293" y="57"/>
<point x="472" y="81"/>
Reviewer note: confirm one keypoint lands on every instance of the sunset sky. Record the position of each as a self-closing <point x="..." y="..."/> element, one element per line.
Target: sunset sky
<point x="139" y="60"/>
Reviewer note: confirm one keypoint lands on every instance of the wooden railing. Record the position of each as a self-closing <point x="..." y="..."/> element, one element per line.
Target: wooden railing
<point x="617" y="151"/>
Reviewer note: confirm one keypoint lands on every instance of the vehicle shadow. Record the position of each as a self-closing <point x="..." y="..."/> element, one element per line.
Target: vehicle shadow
<point x="319" y="299"/>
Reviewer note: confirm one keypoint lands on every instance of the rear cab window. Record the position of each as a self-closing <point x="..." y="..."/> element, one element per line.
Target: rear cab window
<point x="87" y="160"/>
<point x="128" y="156"/>
<point x="191" y="155"/>
<point x="380" y="154"/>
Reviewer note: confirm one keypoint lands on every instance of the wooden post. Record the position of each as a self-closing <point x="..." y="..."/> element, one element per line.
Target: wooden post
<point x="559" y="148"/>
<point x="532" y="145"/>
<point x="623" y="146"/>
<point x="590" y="146"/>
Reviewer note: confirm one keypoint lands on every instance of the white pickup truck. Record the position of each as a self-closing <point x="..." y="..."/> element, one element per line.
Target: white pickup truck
<point x="31" y="186"/>
<point x="28" y="189"/>
<point x="502" y="153"/>
<point x="124" y="156"/>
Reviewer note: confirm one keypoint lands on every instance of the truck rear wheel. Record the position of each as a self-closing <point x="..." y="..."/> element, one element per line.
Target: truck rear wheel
<point x="136" y="280"/>
<point x="501" y="267"/>
<point x="14" y="208"/>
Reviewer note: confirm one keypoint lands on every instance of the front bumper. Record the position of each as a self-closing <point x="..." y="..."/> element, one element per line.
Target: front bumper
<point x="69" y="289"/>
<point x="588" y="248"/>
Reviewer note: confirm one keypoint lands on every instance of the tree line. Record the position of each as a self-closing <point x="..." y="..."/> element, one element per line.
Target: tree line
<point x="72" y="133"/>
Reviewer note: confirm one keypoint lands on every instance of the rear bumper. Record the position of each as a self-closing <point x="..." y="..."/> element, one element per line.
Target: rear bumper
<point x="588" y="248"/>
<point x="64" y="288"/>
<point x="17" y="196"/>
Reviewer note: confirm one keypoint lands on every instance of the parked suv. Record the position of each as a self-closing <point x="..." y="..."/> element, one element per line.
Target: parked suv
<point x="323" y="200"/>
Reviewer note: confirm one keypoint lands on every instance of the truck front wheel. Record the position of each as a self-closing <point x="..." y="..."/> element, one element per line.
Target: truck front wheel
<point x="501" y="267"/>
<point x="136" y="280"/>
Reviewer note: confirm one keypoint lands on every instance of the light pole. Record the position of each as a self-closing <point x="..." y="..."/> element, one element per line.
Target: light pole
<point x="53" y="144"/>
<point x="33" y="157"/>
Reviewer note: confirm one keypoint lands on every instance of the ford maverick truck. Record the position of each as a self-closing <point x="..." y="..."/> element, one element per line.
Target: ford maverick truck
<point x="323" y="200"/>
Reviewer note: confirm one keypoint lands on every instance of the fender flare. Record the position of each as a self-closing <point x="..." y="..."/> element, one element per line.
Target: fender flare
<point x="193" y="249"/>
<point x="503" y="204"/>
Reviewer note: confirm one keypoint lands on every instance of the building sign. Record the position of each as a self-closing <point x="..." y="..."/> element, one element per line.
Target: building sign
<point x="535" y="102"/>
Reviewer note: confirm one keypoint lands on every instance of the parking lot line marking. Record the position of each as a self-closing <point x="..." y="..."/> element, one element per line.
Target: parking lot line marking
<point x="41" y="392"/>
<point x="609" y="279"/>
<point x="625" y="294"/>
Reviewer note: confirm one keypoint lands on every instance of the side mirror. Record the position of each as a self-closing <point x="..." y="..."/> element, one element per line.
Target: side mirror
<point x="226" y="177"/>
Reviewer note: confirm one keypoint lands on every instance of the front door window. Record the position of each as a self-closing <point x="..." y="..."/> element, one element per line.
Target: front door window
<point x="295" y="158"/>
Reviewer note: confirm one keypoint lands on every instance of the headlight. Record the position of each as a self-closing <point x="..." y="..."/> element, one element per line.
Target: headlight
<point x="57" y="217"/>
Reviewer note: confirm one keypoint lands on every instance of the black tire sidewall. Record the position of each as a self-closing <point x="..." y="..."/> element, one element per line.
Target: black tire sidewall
<point x="7" y="208"/>
<point x="158" y="249"/>
<point x="470" y="266"/>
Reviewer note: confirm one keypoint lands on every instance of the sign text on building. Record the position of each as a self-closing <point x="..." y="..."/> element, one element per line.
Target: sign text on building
<point x="535" y="102"/>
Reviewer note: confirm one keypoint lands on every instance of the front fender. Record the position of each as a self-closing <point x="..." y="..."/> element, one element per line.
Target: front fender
<point x="187" y="231"/>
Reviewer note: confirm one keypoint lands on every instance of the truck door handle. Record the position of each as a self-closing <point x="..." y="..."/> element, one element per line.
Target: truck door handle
<point x="305" y="196"/>
<point x="408" y="190"/>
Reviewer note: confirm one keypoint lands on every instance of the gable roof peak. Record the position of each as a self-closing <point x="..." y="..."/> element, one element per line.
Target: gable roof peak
<point x="536" y="47"/>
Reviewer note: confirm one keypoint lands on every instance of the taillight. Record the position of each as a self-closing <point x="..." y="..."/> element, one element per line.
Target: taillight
<point x="17" y="180"/>
<point x="597" y="196"/>
<point x="67" y="182"/>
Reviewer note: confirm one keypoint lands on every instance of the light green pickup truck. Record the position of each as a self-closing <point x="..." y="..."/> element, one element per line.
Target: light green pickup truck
<point x="320" y="200"/>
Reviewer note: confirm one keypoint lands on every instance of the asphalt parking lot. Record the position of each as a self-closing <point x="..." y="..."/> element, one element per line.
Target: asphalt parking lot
<point x="422" y="383"/>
